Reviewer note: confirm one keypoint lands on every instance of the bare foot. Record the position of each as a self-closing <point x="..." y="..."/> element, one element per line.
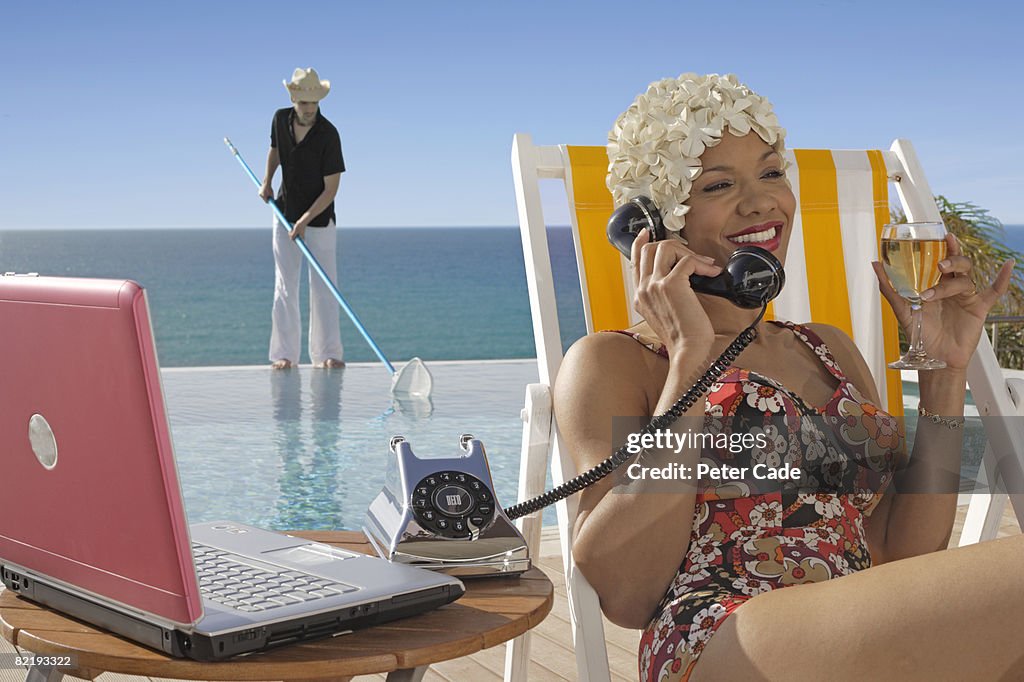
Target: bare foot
<point x="281" y="364"/>
<point x="331" y="363"/>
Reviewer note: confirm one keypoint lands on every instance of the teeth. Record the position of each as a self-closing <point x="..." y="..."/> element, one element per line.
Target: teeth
<point x="755" y="237"/>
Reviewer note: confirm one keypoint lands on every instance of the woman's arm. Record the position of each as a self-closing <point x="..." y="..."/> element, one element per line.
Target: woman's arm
<point x="924" y="506"/>
<point x="605" y="376"/>
<point x="919" y="514"/>
<point x="628" y="544"/>
<point x="915" y="516"/>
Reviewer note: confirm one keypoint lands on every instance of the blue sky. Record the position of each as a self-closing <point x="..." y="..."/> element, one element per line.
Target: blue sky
<point x="112" y="114"/>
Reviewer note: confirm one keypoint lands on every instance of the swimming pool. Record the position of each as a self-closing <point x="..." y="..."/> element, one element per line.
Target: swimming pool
<point x="307" y="449"/>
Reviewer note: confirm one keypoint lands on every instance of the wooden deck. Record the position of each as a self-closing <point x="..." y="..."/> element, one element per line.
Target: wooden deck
<point x="550" y="650"/>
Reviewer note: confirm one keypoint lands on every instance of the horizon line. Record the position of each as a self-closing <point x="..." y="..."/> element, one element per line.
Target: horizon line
<point x="341" y="227"/>
<point x="258" y="227"/>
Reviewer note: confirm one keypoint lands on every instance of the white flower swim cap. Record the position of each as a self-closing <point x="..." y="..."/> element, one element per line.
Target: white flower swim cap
<point x="654" y="147"/>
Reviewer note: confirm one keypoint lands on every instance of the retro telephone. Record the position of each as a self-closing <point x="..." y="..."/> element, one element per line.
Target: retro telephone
<point x="443" y="514"/>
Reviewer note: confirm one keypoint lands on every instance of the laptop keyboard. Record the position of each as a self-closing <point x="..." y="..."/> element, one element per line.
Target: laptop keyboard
<point x="247" y="585"/>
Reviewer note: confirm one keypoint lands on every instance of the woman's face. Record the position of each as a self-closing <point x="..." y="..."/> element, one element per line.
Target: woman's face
<point x="740" y="199"/>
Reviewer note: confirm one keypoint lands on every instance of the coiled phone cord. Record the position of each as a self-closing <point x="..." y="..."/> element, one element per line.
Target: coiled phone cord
<point x="662" y="421"/>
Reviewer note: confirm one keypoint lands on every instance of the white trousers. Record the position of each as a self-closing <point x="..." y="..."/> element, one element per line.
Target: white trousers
<point x="324" y="312"/>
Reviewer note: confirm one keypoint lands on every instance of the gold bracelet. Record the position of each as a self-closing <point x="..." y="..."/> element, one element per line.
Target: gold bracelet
<point x="948" y="422"/>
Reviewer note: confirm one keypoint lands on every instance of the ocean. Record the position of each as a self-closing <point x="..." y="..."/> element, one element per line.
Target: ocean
<point x="436" y="293"/>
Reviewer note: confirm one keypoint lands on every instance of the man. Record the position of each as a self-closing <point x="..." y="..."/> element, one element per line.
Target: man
<point x="307" y="147"/>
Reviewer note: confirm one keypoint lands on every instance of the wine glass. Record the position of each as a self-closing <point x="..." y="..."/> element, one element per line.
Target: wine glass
<point x="910" y="254"/>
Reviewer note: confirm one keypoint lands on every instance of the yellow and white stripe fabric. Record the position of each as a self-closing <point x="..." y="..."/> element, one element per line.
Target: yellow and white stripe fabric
<point x="842" y="204"/>
<point x="604" y="298"/>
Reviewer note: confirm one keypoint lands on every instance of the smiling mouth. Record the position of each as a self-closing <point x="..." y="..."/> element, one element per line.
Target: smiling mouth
<point x="755" y="237"/>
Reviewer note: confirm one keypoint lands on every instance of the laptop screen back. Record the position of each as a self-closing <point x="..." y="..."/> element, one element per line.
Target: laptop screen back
<point x="89" y="494"/>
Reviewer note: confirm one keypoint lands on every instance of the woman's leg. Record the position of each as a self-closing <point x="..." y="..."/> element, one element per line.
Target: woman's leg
<point x="949" y="615"/>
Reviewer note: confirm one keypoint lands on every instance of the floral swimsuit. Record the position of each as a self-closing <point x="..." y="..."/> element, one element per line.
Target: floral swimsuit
<point x="743" y="541"/>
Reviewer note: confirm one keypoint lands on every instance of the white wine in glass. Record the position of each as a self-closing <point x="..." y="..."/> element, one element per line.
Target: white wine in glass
<point x="910" y="255"/>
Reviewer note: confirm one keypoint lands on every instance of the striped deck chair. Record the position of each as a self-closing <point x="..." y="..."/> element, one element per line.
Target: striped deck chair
<point x="843" y="202"/>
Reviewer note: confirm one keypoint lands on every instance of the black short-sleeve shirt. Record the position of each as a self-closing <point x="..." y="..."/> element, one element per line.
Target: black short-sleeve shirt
<point x="304" y="165"/>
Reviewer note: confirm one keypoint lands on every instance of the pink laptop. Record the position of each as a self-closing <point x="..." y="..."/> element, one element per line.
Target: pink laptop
<point x="91" y="516"/>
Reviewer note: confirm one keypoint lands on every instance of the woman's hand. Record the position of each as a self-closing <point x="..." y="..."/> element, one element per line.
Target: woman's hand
<point x="954" y="310"/>
<point x="661" y="275"/>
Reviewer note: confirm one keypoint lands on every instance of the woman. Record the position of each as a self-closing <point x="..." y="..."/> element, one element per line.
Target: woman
<point x="874" y="596"/>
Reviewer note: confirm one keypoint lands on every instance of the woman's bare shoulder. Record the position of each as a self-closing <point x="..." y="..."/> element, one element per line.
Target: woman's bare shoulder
<point x="847" y="356"/>
<point x="831" y="335"/>
<point x="606" y="361"/>
<point x="601" y="352"/>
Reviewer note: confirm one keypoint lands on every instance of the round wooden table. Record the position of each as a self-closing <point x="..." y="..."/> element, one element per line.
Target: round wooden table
<point x="493" y="610"/>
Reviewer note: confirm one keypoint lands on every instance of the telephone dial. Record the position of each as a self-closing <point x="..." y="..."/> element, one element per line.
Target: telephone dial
<point x="443" y="514"/>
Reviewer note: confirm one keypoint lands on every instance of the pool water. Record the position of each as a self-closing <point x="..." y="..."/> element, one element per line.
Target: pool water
<point x="308" y="449"/>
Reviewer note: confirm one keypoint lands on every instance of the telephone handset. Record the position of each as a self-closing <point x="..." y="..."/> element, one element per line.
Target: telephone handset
<point x="431" y="512"/>
<point x="752" y="276"/>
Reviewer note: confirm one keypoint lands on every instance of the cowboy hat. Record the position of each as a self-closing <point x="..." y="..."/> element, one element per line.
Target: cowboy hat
<point x="306" y="86"/>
